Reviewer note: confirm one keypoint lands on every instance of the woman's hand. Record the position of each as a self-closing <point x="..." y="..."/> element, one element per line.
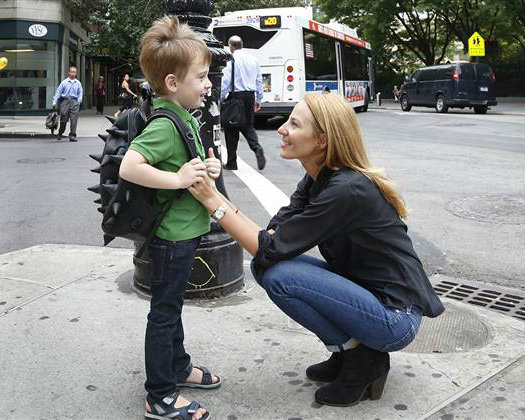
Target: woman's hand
<point x="205" y="191"/>
<point x="213" y="165"/>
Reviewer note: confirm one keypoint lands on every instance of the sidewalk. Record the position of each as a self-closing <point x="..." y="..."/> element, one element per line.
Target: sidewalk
<point x="72" y="347"/>
<point x="89" y="125"/>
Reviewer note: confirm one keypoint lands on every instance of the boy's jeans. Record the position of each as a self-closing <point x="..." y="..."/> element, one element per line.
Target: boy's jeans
<point x="336" y="309"/>
<point x="167" y="362"/>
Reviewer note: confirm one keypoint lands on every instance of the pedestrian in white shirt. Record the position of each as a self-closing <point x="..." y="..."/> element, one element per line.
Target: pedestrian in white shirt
<point x="67" y="99"/>
<point x="248" y="87"/>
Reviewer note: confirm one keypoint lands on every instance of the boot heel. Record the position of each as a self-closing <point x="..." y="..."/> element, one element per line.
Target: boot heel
<point x="376" y="387"/>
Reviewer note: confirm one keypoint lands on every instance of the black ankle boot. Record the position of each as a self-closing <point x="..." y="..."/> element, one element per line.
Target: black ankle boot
<point x="326" y="371"/>
<point x="362" y="376"/>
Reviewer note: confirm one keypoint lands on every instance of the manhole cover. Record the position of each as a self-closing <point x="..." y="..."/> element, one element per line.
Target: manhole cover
<point x="505" y="209"/>
<point x="455" y="330"/>
<point x="40" y="160"/>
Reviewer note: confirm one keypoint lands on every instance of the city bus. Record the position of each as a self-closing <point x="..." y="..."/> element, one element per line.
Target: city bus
<point x="299" y="55"/>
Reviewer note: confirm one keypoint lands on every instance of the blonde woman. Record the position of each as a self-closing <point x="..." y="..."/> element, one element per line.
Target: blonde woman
<point x="367" y="297"/>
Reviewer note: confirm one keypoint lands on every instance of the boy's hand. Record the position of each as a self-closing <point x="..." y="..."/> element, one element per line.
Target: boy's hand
<point x="191" y="172"/>
<point x="213" y="165"/>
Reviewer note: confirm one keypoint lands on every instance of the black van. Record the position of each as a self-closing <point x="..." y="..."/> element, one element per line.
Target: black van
<point x="457" y="85"/>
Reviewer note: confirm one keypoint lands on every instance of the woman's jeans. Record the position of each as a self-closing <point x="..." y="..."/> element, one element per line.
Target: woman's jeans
<point x="167" y="362"/>
<point x="336" y="309"/>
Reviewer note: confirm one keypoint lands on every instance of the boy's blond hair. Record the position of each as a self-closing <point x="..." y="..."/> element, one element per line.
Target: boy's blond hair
<point x="169" y="47"/>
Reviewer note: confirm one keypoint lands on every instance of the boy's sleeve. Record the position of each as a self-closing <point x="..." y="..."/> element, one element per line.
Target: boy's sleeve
<point x="155" y="143"/>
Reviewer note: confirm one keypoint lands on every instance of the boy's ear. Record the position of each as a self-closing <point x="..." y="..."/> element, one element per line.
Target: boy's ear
<point x="170" y="81"/>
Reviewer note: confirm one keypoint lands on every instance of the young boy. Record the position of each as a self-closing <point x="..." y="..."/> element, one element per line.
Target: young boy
<point x="175" y="62"/>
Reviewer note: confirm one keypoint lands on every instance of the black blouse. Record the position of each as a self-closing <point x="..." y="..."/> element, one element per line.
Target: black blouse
<point x="358" y="233"/>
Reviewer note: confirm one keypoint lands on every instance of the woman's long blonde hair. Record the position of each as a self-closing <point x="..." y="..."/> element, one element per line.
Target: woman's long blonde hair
<point x="337" y="120"/>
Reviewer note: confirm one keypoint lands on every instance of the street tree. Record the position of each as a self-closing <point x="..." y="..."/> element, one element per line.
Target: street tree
<point x="464" y="17"/>
<point x="223" y="6"/>
<point x="119" y="25"/>
<point x="407" y="26"/>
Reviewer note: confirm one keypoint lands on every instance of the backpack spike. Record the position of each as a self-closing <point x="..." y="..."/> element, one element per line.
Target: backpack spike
<point x="108" y="239"/>
<point x="98" y="201"/>
<point x="107" y="159"/>
<point x="110" y="188"/>
<point x="110" y="221"/>
<point x="96" y="170"/>
<point x="128" y="196"/>
<point x="101" y="209"/>
<point x="116" y="208"/>
<point x="104" y="137"/>
<point x="95" y="189"/>
<point x="111" y="119"/>
<point x="117" y="158"/>
<point x="98" y="158"/>
<point x="117" y="132"/>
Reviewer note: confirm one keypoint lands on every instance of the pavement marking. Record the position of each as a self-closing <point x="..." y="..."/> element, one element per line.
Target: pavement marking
<point x="472" y="387"/>
<point x="270" y="197"/>
<point x="27" y="281"/>
<point x="18" y="307"/>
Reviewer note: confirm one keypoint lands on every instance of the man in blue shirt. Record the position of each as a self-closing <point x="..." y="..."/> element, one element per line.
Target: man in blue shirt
<point x="248" y="87"/>
<point x="68" y="98"/>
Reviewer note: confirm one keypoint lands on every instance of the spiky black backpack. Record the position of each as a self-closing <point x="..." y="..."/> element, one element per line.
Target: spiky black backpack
<point x="129" y="210"/>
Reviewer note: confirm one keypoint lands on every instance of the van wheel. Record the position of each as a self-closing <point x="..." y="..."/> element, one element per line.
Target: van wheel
<point x="405" y="106"/>
<point x="480" y="109"/>
<point x="441" y="106"/>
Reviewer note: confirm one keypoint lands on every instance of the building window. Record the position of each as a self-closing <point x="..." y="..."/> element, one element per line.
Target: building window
<point x="29" y="81"/>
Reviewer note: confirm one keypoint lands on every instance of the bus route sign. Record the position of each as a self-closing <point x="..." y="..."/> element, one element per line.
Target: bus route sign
<point x="476" y="45"/>
<point x="270" y="22"/>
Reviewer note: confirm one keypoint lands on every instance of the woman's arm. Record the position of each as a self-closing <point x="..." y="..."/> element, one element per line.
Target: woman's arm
<point x="240" y="227"/>
<point x="125" y="86"/>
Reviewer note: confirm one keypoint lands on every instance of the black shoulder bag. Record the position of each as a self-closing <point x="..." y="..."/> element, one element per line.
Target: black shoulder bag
<point x="233" y="114"/>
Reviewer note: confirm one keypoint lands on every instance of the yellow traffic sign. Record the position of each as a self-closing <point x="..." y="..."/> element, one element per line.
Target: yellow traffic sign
<point x="476" y="45"/>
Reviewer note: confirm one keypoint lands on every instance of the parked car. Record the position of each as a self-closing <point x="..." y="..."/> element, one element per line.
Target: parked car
<point x="456" y="85"/>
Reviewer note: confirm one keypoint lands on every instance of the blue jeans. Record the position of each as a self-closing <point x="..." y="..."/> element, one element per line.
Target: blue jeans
<point x="167" y="362"/>
<point x="336" y="309"/>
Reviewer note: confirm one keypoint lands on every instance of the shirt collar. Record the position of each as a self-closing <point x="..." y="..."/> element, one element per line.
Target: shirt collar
<point x="164" y="103"/>
<point x="320" y="183"/>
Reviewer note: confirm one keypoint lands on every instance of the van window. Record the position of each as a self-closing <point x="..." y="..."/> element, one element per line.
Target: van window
<point x="484" y="72"/>
<point x="467" y="72"/>
<point x="448" y="72"/>
<point x="427" y="74"/>
<point x="251" y="37"/>
<point x="415" y="76"/>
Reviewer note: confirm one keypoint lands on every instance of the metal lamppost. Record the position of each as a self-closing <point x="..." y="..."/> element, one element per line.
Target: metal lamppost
<point x="218" y="268"/>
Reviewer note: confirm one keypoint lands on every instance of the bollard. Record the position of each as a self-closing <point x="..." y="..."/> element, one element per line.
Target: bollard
<point x="378" y="98"/>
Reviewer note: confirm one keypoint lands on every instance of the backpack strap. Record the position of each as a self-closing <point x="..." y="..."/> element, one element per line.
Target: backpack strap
<point x="186" y="133"/>
<point x="189" y="142"/>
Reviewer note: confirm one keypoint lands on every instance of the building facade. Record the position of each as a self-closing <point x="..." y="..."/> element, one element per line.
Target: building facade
<point x="39" y="40"/>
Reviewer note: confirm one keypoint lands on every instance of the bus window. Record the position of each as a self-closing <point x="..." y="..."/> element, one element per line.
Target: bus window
<point x="319" y="57"/>
<point x="251" y="37"/>
<point x="355" y="62"/>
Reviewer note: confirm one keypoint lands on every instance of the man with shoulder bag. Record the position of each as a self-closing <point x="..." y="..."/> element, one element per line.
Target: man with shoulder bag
<point x="241" y="95"/>
<point x="67" y="101"/>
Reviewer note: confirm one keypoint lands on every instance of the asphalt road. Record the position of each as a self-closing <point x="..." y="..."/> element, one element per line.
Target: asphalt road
<point x="462" y="176"/>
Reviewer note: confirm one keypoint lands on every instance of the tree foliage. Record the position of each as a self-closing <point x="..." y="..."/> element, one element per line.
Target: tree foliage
<point x="119" y="25"/>
<point x="223" y="6"/>
<point x="427" y="29"/>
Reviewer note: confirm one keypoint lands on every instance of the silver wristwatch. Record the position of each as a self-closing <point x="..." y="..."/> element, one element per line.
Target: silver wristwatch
<point x="219" y="212"/>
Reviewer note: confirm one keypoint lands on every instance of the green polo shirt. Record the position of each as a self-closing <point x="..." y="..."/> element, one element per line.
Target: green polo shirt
<point x="162" y="146"/>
